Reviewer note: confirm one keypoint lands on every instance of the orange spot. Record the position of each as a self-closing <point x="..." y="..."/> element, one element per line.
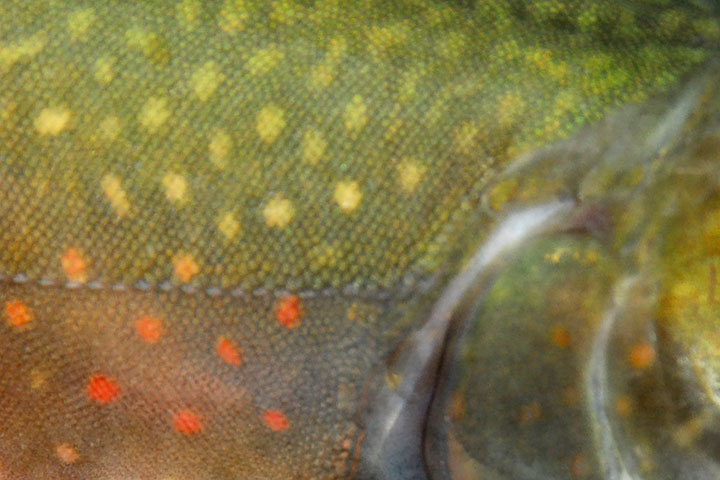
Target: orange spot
<point x="187" y="422"/>
<point x="275" y="420"/>
<point x="229" y="352"/>
<point x="149" y="328"/>
<point x="67" y="453"/>
<point x="289" y="311"/>
<point x="530" y="413"/>
<point x="623" y="406"/>
<point x="580" y="467"/>
<point x="641" y="356"/>
<point x="102" y="389"/>
<point x="560" y="337"/>
<point x="186" y="267"/>
<point x="18" y="314"/>
<point x="74" y="265"/>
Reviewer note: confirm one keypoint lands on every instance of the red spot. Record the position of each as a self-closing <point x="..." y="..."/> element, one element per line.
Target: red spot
<point x="229" y="352"/>
<point x="187" y="422"/>
<point x="102" y="389"/>
<point x="275" y="420"/>
<point x="149" y="328"/>
<point x="74" y="265"/>
<point x="289" y="311"/>
<point x="18" y="314"/>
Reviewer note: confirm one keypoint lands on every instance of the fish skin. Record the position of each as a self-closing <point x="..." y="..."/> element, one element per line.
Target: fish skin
<point x="221" y="221"/>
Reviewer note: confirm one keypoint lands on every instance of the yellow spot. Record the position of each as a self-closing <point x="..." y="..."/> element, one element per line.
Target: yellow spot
<point x="154" y="113"/>
<point x="381" y="39"/>
<point x="285" y="12"/>
<point x="188" y="13"/>
<point x="313" y="146"/>
<point x="175" y="188"/>
<point x="278" y="212"/>
<point x="154" y="47"/>
<point x="103" y="69"/>
<point x="466" y="137"/>
<point x="270" y="122"/>
<point x="220" y="147"/>
<point x="557" y="255"/>
<point x="110" y="128"/>
<point x="228" y="225"/>
<point x="355" y="115"/>
<point x="233" y="16"/>
<point x="112" y="186"/>
<point x="409" y="175"/>
<point x="79" y="22"/>
<point x="22" y="50"/>
<point x="185" y="267"/>
<point x="347" y="195"/>
<point x="52" y="120"/>
<point x="323" y="74"/>
<point x="264" y="60"/>
<point x="206" y="79"/>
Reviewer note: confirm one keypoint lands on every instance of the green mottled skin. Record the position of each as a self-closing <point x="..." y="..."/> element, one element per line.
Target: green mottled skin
<point x="201" y="162"/>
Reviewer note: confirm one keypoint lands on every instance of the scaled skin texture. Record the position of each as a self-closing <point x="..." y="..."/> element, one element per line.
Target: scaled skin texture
<point x="220" y="221"/>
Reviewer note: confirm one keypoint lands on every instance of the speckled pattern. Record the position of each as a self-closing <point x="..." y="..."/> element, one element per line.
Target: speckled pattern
<point x="218" y="217"/>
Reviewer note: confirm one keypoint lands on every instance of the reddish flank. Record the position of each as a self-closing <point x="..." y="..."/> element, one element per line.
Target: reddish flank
<point x="102" y="389"/>
<point x="187" y="422"/>
<point x="275" y="420"/>
<point x="289" y="311"/>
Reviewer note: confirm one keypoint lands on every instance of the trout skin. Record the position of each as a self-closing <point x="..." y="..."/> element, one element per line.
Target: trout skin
<point x="420" y="239"/>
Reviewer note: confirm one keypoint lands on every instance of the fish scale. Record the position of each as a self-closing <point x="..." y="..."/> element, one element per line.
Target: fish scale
<point x="265" y="239"/>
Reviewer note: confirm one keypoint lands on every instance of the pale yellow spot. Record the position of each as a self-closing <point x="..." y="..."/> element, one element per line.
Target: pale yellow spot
<point x="228" y="225"/>
<point x="79" y="22"/>
<point x="278" y="212"/>
<point x="185" y="267"/>
<point x="409" y="175"/>
<point x="510" y="110"/>
<point x="110" y="128"/>
<point x="38" y="378"/>
<point x="313" y="146"/>
<point x="355" y="114"/>
<point x="264" y="60"/>
<point x="219" y="148"/>
<point x="233" y="16"/>
<point x="22" y="50"/>
<point x="175" y="188"/>
<point x="103" y="69"/>
<point x="206" y="79"/>
<point x="347" y="195"/>
<point x="52" y="120"/>
<point x="67" y="453"/>
<point x="270" y="122"/>
<point x="112" y="186"/>
<point x="188" y="12"/>
<point x="154" y="113"/>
